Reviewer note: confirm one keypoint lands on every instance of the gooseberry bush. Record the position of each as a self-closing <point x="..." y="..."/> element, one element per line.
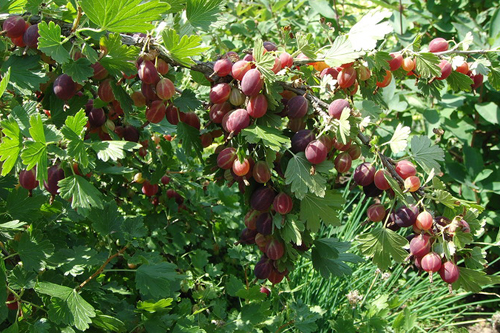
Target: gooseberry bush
<point x="159" y="175"/>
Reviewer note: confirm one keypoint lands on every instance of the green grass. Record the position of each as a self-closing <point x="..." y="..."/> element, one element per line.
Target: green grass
<point x="385" y="294"/>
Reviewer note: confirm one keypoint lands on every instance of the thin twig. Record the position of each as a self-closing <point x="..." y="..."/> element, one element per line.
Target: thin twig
<point x="99" y="271"/>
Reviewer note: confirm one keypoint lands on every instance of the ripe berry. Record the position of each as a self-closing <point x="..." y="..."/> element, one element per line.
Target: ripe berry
<point x="282" y="203"/>
<point x="449" y="272"/>
<point x="424" y="221"/>
<point x="252" y="82"/>
<point x="346" y="77"/>
<point x="438" y="45"/>
<point x="386" y="80"/>
<point x="431" y="262"/>
<point x="420" y="245"/>
<point x="149" y="189"/>
<point x="405" y="169"/>
<point x="14" y="26"/>
<point x="261" y="172"/>
<point x="364" y="174"/>
<point x="412" y="183"/>
<point x="220" y="93"/>
<point x="316" y="152"/>
<point x="257" y="106"/>
<point x="337" y="106"/>
<point x="27" y="179"/>
<point x="380" y="179"/>
<point x="343" y="162"/>
<point x="241" y="168"/>
<point x="64" y="87"/>
<point x="376" y="212"/>
<point x="446" y="69"/>
<point x="226" y="158"/>
<point x="222" y="67"/>
<point x="396" y="62"/>
<point x="262" y="198"/>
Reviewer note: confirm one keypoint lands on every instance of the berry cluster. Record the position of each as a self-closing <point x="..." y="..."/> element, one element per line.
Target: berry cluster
<point x="238" y="100"/>
<point x="427" y="229"/>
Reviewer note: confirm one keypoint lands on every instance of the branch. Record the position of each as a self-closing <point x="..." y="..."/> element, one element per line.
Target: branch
<point x="99" y="271"/>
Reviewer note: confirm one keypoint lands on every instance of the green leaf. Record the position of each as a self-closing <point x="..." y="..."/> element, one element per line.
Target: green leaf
<point x="442" y="196"/>
<point x="82" y="193"/>
<point x="180" y="49"/>
<point x="291" y="231"/>
<point x="79" y="70"/>
<point x="123" y="98"/>
<point x="113" y="150"/>
<point x="370" y="29"/>
<point x="153" y="307"/>
<point x="154" y="280"/>
<point x="251" y="294"/>
<point x="133" y="227"/>
<point x="75" y="261"/>
<point x="3" y="291"/>
<point x="190" y="137"/>
<point x="20" y="278"/>
<point x="378" y="60"/>
<point x="270" y="137"/>
<point x="343" y="126"/>
<point x="124" y="15"/>
<point x="50" y="42"/>
<point x="298" y="174"/>
<point x="26" y="74"/>
<point x="489" y="111"/>
<point x="73" y="131"/>
<point x="304" y="45"/>
<point x="24" y="208"/>
<point x="187" y="101"/>
<point x="12" y="226"/>
<point x="459" y="81"/>
<point x="323" y="8"/>
<point x="4" y="82"/>
<point x="77" y="123"/>
<point x="313" y="209"/>
<point x="119" y="58"/>
<point x="476" y="258"/>
<point x="382" y="244"/>
<point x="106" y="221"/>
<point x="11" y="144"/>
<point x="264" y="61"/>
<point x="108" y="323"/>
<point x="13" y="6"/>
<point x="341" y="52"/>
<point x="67" y="306"/>
<point x="328" y="257"/>
<point x="35" y="152"/>
<point x="474" y="281"/>
<point x="34" y="250"/>
<point x="426" y="155"/>
<point x="494" y="76"/>
<point x="427" y="64"/>
<point x="201" y="13"/>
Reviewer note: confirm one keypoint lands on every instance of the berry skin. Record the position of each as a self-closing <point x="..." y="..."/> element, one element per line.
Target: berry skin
<point x="381" y="181"/>
<point x="449" y="272"/>
<point x="412" y="183"/>
<point x="376" y="212"/>
<point x="405" y="169"/>
<point x="438" y="45"/>
<point x="431" y="262"/>
<point x="424" y="221"/>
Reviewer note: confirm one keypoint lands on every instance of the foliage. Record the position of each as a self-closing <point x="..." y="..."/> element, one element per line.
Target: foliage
<point x="114" y="220"/>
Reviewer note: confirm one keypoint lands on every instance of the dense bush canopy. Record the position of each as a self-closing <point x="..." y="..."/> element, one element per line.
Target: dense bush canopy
<point x="269" y="166"/>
